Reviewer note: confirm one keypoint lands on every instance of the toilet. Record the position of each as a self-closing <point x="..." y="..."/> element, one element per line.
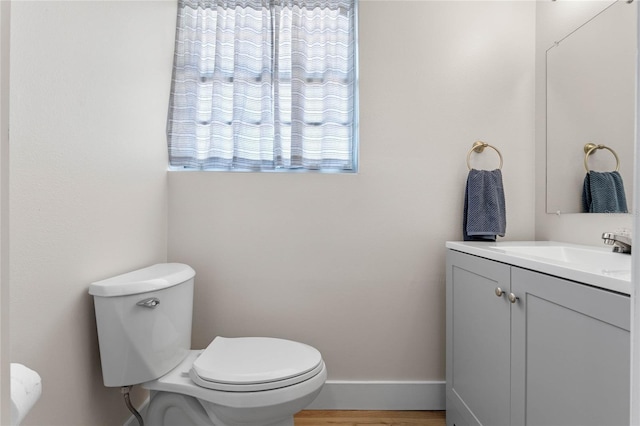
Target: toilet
<point x="144" y="332"/>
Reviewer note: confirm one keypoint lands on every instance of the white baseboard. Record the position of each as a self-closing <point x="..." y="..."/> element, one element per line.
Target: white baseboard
<point x="378" y="395"/>
<point x="369" y="395"/>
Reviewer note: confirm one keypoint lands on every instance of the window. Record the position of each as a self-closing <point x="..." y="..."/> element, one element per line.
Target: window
<point x="264" y="85"/>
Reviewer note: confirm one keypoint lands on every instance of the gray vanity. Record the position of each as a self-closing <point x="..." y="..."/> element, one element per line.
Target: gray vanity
<point x="537" y="334"/>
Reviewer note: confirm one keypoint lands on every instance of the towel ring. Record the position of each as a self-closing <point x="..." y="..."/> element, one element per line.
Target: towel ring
<point x="478" y="147"/>
<point x="590" y="148"/>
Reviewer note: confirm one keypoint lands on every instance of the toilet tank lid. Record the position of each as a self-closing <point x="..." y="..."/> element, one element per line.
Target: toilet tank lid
<point x="152" y="278"/>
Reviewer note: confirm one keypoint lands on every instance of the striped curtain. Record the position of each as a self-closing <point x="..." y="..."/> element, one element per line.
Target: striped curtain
<point x="264" y="85"/>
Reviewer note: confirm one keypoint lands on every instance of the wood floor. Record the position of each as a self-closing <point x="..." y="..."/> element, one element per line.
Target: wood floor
<point x="369" y="418"/>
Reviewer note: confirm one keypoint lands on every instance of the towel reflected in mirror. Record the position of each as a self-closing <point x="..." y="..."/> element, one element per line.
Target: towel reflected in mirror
<point x="603" y="192"/>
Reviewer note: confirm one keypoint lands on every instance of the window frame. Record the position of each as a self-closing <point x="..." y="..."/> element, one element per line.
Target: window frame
<point x="354" y="127"/>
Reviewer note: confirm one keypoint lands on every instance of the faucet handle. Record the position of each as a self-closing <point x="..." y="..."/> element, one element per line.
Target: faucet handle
<point x="621" y="243"/>
<point x="608" y="238"/>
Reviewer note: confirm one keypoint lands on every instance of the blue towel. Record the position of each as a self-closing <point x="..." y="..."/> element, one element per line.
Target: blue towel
<point x="603" y="192"/>
<point x="484" y="207"/>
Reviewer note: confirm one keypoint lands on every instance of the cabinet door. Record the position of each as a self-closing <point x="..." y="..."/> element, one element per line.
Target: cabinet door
<point x="478" y="346"/>
<point x="569" y="353"/>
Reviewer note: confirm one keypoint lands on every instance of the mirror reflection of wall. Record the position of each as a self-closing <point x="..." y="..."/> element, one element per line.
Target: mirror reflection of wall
<point x="591" y="99"/>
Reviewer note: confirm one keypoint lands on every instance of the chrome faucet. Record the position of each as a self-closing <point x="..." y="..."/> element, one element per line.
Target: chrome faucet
<point x="621" y="243"/>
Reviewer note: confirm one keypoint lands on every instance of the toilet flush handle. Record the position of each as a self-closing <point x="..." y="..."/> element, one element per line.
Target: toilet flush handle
<point x="151" y="302"/>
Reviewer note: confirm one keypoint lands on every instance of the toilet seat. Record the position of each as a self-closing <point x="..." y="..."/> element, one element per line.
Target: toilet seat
<point x="250" y="364"/>
<point x="178" y="381"/>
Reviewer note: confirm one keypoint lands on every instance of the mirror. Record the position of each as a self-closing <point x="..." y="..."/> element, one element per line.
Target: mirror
<point x="591" y="99"/>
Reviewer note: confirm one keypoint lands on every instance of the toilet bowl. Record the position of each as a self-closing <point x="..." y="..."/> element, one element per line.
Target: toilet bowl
<point x="177" y="400"/>
<point x="144" y="329"/>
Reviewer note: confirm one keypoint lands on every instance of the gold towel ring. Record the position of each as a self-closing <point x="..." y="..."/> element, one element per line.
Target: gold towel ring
<point x="590" y="148"/>
<point x="478" y="147"/>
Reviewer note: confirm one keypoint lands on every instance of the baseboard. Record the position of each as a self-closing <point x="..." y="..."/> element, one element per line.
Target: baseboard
<point x="368" y="395"/>
<point x="378" y="395"/>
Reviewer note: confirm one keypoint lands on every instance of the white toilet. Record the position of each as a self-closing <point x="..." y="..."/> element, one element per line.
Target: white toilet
<point x="144" y="331"/>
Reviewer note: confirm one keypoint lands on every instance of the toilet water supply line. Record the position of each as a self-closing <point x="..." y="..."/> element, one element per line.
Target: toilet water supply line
<point x="125" y="392"/>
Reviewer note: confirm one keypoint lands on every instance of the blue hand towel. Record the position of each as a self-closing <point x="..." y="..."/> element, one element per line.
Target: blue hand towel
<point x="603" y="192"/>
<point x="484" y="206"/>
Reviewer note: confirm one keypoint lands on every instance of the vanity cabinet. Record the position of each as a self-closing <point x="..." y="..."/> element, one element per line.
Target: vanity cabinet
<point x="527" y="348"/>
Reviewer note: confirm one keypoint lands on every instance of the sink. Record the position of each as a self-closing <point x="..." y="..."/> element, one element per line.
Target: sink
<point x="593" y="265"/>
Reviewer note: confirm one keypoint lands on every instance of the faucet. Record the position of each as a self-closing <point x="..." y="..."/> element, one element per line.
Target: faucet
<point x="621" y="243"/>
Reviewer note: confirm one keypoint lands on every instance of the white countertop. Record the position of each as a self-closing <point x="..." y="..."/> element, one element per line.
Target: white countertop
<point x="596" y="266"/>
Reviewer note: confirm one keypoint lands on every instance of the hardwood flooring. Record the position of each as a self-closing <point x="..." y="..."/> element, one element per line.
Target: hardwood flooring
<point x="369" y="418"/>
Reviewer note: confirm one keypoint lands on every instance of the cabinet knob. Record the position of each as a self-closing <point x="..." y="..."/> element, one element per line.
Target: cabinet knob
<point x="499" y="292"/>
<point x="512" y="298"/>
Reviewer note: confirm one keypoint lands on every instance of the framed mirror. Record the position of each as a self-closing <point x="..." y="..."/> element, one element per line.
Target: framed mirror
<point x="590" y="76"/>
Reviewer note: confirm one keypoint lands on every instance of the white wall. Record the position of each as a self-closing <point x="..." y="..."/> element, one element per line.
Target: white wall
<point x="89" y="90"/>
<point x="354" y="264"/>
<point x="5" y="411"/>
<point x="555" y="20"/>
<point x="364" y="253"/>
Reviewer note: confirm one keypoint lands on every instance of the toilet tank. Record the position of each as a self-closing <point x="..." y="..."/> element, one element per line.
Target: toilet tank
<point x="144" y="322"/>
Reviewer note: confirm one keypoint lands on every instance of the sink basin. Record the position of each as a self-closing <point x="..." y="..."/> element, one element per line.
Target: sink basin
<point x="599" y="260"/>
<point x="600" y="257"/>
